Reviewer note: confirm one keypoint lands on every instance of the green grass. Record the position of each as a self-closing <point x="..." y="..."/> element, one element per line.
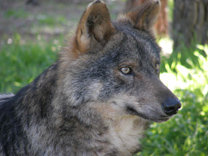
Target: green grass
<point x="17" y="13"/>
<point x="50" y="20"/>
<point x="21" y="63"/>
<point x="185" y="72"/>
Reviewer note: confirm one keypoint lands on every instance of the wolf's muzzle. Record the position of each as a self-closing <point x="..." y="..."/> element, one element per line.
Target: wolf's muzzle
<point x="171" y="106"/>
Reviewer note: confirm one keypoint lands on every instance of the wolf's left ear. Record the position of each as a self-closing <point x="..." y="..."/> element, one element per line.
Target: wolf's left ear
<point x="94" y="27"/>
<point x="144" y="16"/>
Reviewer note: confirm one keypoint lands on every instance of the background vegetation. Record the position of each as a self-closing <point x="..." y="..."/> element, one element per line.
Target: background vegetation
<point x="23" y="57"/>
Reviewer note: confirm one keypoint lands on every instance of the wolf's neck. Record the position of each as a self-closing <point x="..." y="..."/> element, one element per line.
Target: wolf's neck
<point x="36" y="97"/>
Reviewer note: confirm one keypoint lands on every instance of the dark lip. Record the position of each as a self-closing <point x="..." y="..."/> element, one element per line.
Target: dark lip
<point x="170" y="113"/>
<point x="133" y="111"/>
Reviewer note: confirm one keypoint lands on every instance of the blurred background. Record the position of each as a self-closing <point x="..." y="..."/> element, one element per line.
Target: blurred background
<point x="32" y="32"/>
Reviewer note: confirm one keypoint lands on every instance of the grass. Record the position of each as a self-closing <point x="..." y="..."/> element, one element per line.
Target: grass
<point x="184" y="72"/>
<point x="15" y="13"/>
<point x="20" y="62"/>
<point x="50" y="20"/>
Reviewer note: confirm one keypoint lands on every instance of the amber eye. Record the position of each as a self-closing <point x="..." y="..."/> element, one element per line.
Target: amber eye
<point x="126" y="70"/>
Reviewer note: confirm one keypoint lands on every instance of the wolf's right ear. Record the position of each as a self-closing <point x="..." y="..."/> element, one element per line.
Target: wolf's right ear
<point x="142" y="17"/>
<point x="94" y="27"/>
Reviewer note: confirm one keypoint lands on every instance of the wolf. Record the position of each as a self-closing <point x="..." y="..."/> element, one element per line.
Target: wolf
<point x="100" y="95"/>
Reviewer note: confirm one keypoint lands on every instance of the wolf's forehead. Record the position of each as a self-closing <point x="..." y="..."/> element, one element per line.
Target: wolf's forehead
<point x="138" y="41"/>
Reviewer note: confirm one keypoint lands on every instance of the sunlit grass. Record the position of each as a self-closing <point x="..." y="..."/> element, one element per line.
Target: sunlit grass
<point x="166" y="45"/>
<point x="187" y="77"/>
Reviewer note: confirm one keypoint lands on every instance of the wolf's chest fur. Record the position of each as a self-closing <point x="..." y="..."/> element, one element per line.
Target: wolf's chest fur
<point x="126" y="133"/>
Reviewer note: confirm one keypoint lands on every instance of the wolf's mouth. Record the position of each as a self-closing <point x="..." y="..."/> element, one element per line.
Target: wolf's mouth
<point x="133" y="111"/>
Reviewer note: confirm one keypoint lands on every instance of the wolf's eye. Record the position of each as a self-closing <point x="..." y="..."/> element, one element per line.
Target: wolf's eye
<point x="126" y="70"/>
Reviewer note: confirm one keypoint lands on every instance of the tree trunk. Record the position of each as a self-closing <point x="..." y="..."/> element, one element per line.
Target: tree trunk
<point x="190" y="22"/>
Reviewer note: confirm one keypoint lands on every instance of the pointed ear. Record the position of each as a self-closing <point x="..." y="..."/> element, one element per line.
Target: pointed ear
<point x="94" y="27"/>
<point x="144" y="16"/>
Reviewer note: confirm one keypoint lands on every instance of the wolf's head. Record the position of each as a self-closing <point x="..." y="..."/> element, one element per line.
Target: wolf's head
<point x="115" y="65"/>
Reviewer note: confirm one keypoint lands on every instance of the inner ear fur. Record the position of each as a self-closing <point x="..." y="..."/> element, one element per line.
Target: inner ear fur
<point x="144" y="16"/>
<point x="94" y="27"/>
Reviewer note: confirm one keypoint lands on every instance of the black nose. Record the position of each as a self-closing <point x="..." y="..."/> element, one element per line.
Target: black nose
<point x="171" y="106"/>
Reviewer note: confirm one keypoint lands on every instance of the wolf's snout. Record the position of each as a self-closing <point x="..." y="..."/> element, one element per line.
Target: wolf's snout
<point x="171" y="106"/>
